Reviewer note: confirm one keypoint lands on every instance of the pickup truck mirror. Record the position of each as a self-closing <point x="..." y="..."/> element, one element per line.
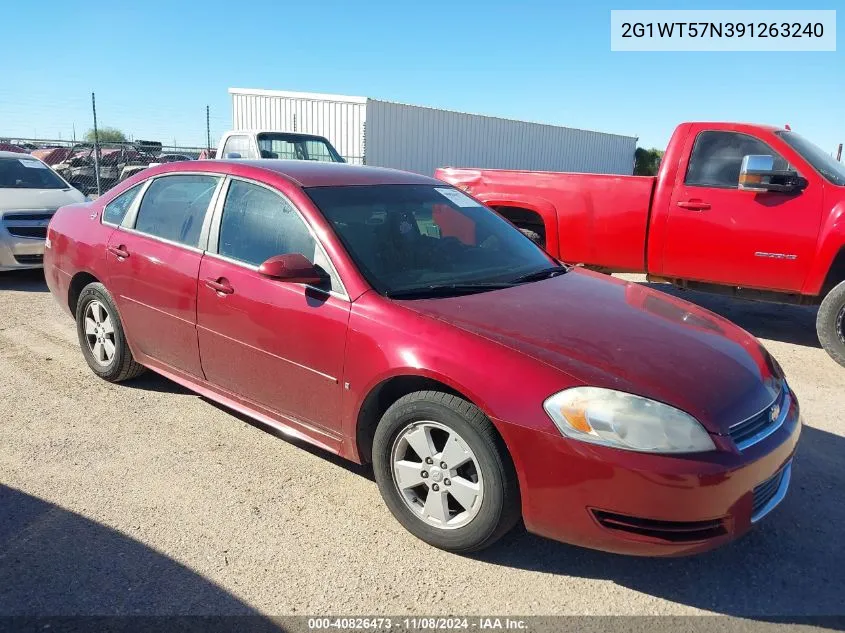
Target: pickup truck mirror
<point x="757" y="173"/>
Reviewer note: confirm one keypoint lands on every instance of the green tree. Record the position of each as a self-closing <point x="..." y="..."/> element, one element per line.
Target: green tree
<point x="106" y="135"/>
<point x="647" y="161"/>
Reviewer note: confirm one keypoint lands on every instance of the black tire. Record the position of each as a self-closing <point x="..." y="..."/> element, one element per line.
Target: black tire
<point x="500" y="504"/>
<point x="534" y="236"/>
<point x="830" y="323"/>
<point x="122" y="365"/>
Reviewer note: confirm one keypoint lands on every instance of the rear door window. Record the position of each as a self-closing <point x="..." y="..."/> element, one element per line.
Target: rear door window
<point x="174" y="207"/>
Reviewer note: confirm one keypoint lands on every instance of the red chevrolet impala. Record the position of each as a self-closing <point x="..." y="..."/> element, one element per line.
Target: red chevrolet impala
<point x="392" y="319"/>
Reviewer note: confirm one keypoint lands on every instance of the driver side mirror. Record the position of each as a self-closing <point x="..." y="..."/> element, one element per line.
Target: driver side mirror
<point x="292" y="268"/>
<point x="757" y="173"/>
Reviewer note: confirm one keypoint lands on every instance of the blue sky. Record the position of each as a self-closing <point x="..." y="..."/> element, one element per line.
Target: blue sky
<point x="155" y="65"/>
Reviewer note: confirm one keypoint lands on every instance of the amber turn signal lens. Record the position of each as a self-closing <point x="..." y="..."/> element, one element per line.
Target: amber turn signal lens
<point x="577" y="418"/>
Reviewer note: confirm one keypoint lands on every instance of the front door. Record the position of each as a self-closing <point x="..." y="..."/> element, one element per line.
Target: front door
<point x="153" y="268"/>
<point x="278" y="345"/>
<point x="721" y="234"/>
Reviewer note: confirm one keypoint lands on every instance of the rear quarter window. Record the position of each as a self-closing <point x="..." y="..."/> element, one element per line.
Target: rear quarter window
<point x="115" y="211"/>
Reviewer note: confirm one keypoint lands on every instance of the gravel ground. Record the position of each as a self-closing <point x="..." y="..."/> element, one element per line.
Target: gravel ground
<point x="145" y="498"/>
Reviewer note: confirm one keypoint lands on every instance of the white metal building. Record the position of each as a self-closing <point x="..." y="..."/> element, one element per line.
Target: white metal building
<point x="420" y="139"/>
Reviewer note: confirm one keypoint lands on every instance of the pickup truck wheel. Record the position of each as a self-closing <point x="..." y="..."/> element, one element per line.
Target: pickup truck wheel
<point x="444" y="472"/>
<point x="101" y="336"/>
<point x="534" y="236"/>
<point x="830" y="323"/>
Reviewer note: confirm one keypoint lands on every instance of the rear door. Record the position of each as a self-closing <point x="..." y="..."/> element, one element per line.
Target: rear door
<point x="153" y="262"/>
<point x="718" y="233"/>
<point x="275" y="344"/>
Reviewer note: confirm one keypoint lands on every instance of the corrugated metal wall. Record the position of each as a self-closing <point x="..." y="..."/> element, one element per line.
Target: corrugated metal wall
<point x="339" y="119"/>
<point x="421" y="139"/>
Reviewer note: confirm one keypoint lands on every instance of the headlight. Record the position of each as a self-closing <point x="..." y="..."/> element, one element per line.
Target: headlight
<point x="623" y="420"/>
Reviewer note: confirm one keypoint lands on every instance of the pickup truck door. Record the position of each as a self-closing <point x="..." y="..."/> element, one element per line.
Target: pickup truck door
<point x="718" y="233"/>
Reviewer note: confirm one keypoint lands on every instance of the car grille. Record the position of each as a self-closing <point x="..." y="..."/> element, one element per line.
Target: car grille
<point x="672" y="531"/>
<point x="760" y="426"/>
<point x="28" y="231"/>
<point x="28" y="224"/>
<point x="29" y="259"/>
<point x="770" y="493"/>
<point x="32" y="216"/>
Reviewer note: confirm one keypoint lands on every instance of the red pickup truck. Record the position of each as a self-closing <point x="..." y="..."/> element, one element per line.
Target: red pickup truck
<point x="748" y="210"/>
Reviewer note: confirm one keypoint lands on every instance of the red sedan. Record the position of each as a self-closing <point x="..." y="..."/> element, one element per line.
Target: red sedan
<point x="392" y="319"/>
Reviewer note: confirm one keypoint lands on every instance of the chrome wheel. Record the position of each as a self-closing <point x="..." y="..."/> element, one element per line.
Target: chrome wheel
<point x="437" y="475"/>
<point x="99" y="333"/>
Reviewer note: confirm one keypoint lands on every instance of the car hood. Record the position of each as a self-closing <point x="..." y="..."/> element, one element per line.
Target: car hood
<point x="610" y="333"/>
<point x="14" y="199"/>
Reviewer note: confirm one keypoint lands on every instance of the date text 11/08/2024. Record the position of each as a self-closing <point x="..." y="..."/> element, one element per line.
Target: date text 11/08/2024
<point x="426" y="623"/>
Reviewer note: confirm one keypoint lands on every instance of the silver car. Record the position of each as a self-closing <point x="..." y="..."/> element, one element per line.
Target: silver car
<point x="30" y="192"/>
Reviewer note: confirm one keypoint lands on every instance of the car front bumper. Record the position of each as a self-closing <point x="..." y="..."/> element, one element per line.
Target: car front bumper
<point x="645" y="504"/>
<point x="20" y="252"/>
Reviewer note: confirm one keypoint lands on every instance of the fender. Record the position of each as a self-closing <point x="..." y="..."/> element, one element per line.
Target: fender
<point x="352" y="409"/>
<point x="831" y="240"/>
<point x="542" y="207"/>
<point x="374" y="355"/>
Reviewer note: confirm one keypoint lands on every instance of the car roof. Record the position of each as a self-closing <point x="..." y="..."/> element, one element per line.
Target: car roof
<point x="285" y="132"/>
<point x="307" y="173"/>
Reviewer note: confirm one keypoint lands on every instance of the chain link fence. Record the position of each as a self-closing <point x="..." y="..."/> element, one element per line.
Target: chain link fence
<point x="94" y="168"/>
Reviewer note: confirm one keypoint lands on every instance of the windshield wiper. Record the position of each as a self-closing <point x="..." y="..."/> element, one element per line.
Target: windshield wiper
<point x="445" y="290"/>
<point x="537" y="275"/>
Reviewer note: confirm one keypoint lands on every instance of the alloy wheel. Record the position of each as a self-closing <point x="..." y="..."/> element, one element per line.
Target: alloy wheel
<point x="99" y="333"/>
<point x="437" y="475"/>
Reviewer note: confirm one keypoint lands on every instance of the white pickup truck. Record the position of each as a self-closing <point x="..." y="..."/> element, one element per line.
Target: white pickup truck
<point x="269" y="144"/>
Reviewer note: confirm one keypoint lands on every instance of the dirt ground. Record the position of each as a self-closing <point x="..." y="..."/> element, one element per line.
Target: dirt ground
<point x="145" y="498"/>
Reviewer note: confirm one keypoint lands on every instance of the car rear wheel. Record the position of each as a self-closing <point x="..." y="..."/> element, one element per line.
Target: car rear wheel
<point x="830" y="323"/>
<point x="444" y="472"/>
<point x="101" y="336"/>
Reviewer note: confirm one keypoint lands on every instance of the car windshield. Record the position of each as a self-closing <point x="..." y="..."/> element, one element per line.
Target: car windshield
<point x="28" y="173"/>
<point x="829" y="168"/>
<point x="296" y="147"/>
<point x="422" y="240"/>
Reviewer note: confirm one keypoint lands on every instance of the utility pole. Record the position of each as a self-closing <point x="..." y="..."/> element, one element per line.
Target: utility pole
<point x="96" y="145"/>
<point x="207" y="129"/>
<point x="839" y="153"/>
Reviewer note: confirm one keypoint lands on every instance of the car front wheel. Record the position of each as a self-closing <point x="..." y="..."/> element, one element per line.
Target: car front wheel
<point x="101" y="336"/>
<point x="444" y="472"/>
